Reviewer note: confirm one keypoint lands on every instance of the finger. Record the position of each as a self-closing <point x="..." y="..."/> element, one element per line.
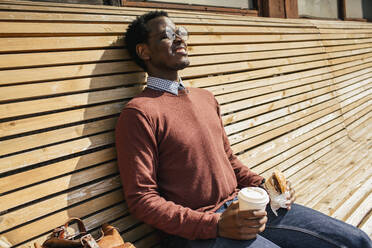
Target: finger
<point x="252" y="223"/>
<point x="252" y="230"/>
<point x="252" y="214"/>
<point x="289" y="185"/>
<point x="293" y="199"/>
<point x="245" y="236"/>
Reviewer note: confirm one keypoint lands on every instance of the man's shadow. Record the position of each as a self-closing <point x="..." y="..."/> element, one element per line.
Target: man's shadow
<point x="95" y="188"/>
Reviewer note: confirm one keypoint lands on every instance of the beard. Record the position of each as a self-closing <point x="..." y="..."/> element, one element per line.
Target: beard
<point x="185" y="62"/>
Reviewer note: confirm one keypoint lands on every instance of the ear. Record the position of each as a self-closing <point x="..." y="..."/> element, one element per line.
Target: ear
<point x="143" y="51"/>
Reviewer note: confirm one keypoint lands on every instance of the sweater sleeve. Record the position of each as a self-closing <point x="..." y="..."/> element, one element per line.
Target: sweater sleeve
<point x="245" y="177"/>
<point x="137" y="152"/>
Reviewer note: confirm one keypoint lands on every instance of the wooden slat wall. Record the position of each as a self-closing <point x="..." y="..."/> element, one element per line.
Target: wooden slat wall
<point x="287" y="89"/>
<point x="351" y="66"/>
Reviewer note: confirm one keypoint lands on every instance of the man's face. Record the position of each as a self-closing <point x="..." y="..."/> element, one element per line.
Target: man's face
<point x="165" y="54"/>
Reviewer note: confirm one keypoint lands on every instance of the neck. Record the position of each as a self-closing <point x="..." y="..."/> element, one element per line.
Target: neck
<point x="173" y="76"/>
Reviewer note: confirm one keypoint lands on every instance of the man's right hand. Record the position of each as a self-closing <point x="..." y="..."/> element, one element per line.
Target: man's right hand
<point x="243" y="225"/>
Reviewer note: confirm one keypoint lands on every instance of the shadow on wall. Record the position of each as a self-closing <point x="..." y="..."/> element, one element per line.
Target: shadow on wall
<point x="98" y="195"/>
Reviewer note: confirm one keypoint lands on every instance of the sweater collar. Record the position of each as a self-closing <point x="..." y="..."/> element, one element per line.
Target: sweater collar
<point x="165" y="85"/>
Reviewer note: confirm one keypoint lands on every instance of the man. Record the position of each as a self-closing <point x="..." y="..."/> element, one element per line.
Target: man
<point x="178" y="171"/>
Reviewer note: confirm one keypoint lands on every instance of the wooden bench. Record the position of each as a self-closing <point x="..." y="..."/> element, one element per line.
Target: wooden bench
<point x="295" y="95"/>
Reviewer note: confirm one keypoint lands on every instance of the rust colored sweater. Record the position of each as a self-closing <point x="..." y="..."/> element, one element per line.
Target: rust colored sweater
<point x="175" y="162"/>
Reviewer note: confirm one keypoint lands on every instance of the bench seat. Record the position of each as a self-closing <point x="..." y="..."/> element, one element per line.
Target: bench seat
<point x="295" y="95"/>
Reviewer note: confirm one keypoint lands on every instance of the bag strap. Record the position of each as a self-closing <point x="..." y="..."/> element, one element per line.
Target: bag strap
<point x="80" y="223"/>
<point x="62" y="231"/>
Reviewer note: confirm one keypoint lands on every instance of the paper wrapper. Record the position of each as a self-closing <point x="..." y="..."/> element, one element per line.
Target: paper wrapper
<point x="278" y="201"/>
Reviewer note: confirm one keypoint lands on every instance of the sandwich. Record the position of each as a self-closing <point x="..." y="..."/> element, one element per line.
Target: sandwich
<point x="276" y="184"/>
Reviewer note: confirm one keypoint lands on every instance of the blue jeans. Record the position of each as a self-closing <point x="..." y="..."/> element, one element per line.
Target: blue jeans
<point x="301" y="227"/>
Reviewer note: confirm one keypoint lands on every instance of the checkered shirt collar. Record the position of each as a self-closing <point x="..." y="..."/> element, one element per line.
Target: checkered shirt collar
<point x="165" y="85"/>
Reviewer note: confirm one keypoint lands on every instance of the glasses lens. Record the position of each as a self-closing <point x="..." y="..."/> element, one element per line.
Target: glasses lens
<point x="170" y="33"/>
<point x="181" y="32"/>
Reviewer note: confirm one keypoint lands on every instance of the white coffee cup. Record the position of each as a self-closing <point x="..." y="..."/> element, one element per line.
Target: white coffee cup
<point x="253" y="198"/>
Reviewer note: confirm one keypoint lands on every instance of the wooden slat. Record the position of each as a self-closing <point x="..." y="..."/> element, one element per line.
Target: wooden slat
<point x="362" y="57"/>
<point x="275" y="83"/>
<point x="284" y="90"/>
<point x="352" y="115"/>
<point x="321" y="96"/>
<point x="358" y="100"/>
<point x="301" y="155"/>
<point x="53" y="152"/>
<point x="344" y="36"/>
<point x="256" y="127"/>
<point x="302" y="165"/>
<point x="329" y="43"/>
<point x="217" y="39"/>
<point x="320" y="199"/>
<point x="255" y="156"/>
<point x="359" y="122"/>
<point x="58" y="43"/>
<point x="331" y="49"/>
<point x="45" y="189"/>
<point x="24" y="91"/>
<point x="241" y="76"/>
<point x="306" y="178"/>
<point x="366" y="225"/>
<point x="69" y="71"/>
<point x="362" y="131"/>
<point x="345" y="31"/>
<point x="67" y="166"/>
<point x="349" y="97"/>
<point x="250" y="47"/>
<point x="55" y="136"/>
<point x="352" y="202"/>
<point x="197" y="29"/>
<point x="60" y="58"/>
<point x="276" y="97"/>
<point x="64" y="102"/>
<point x="352" y="53"/>
<point x="330" y="204"/>
<point x="34" y="28"/>
<point x="41" y="208"/>
<point x="345" y="68"/>
<point x="15" y="127"/>
<point x="225" y="58"/>
<point x="321" y="117"/>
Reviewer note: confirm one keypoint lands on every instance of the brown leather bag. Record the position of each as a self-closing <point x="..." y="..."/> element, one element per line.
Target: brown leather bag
<point x="61" y="238"/>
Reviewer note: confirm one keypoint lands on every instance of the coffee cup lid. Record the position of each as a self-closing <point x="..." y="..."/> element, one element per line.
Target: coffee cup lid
<point x="254" y="194"/>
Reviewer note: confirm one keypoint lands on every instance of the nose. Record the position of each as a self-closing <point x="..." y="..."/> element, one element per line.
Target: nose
<point x="179" y="37"/>
<point x="178" y="40"/>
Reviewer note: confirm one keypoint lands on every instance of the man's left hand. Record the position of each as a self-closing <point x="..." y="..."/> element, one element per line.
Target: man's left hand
<point x="292" y="195"/>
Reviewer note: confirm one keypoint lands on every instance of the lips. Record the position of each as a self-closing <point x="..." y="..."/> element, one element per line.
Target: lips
<point x="180" y="50"/>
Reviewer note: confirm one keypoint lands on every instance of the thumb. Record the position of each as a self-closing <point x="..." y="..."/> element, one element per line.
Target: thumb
<point x="234" y="205"/>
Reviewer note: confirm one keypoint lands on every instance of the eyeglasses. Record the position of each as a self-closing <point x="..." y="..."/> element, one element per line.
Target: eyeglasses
<point x="180" y="32"/>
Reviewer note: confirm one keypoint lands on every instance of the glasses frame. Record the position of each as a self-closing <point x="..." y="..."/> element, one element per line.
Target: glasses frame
<point x="180" y="32"/>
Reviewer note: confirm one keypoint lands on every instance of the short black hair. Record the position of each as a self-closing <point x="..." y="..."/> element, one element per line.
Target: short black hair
<point x="138" y="32"/>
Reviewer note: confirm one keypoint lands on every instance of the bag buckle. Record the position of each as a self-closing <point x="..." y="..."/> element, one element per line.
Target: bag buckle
<point x="88" y="241"/>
